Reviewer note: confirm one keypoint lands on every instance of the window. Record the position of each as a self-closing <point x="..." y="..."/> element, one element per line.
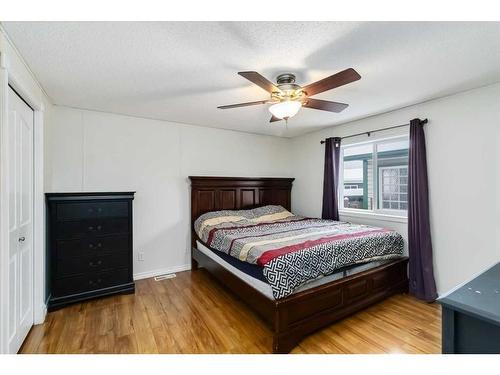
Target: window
<point x="375" y="176"/>
<point x="393" y="182"/>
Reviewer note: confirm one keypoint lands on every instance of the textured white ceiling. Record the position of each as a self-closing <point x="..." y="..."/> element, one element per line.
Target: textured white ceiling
<point x="181" y="71"/>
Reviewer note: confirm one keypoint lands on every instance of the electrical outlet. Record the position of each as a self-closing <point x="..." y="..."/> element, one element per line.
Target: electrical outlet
<point x="140" y="256"/>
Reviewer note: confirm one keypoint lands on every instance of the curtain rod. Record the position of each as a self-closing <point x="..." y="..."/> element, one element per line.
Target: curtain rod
<point x="368" y="133"/>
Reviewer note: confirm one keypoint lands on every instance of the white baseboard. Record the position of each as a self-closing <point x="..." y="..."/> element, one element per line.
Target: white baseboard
<point x="40" y="314"/>
<point x="161" y="271"/>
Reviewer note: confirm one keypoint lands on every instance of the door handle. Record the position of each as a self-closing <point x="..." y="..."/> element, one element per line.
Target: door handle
<point x="22" y="239"/>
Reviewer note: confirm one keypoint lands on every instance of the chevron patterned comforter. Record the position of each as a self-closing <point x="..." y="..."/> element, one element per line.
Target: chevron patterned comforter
<point x="293" y="249"/>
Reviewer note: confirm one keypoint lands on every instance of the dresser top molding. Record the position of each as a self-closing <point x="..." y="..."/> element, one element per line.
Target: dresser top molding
<point x="90" y="195"/>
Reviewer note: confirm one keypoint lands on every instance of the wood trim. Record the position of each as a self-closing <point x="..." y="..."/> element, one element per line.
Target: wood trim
<point x="4" y="212"/>
<point x="39" y="261"/>
<point x="296" y="316"/>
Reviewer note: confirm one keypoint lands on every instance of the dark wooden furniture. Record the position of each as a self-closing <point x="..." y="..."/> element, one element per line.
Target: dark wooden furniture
<point x="471" y="316"/>
<point x="89" y="246"/>
<point x="294" y="317"/>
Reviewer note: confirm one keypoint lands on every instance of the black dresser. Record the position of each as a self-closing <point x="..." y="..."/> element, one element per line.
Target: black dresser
<point x="471" y="316"/>
<point x="89" y="246"/>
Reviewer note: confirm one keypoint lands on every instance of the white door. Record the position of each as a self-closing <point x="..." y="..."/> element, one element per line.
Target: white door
<point x="20" y="220"/>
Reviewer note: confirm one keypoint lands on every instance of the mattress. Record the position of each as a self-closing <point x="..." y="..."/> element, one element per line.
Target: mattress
<point x="242" y="272"/>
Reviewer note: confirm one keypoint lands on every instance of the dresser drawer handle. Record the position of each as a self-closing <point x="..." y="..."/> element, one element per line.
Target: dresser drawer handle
<point x="91" y="227"/>
<point x="90" y="210"/>
<point x="99" y="210"/>
<point x="92" y="282"/>
<point x="91" y="245"/>
<point x="99" y="227"/>
<point x="95" y="264"/>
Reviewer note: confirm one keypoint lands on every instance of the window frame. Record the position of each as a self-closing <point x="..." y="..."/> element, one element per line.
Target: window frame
<point x="376" y="211"/>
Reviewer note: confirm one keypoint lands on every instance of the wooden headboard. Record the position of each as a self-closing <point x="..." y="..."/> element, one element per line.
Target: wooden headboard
<point x="235" y="193"/>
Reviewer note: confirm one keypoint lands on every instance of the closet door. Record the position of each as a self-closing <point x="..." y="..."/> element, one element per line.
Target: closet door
<point x="20" y="220"/>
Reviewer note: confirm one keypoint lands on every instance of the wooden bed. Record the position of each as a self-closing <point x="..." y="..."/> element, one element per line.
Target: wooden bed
<point x="294" y="317"/>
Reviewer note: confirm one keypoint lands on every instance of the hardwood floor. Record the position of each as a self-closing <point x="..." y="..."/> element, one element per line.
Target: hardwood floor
<point x="194" y="314"/>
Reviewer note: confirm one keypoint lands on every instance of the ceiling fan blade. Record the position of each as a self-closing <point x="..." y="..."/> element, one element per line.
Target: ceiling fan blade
<point x="260" y="81"/>
<point x="274" y="118"/>
<point x="243" y="104"/>
<point x="342" y="78"/>
<point x="325" y="105"/>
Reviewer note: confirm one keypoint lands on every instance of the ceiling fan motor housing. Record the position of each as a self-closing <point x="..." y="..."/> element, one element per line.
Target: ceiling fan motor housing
<point x="285" y="78"/>
<point x="289" y="89"/>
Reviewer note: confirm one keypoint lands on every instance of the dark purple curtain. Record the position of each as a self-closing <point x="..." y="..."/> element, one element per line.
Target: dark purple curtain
<point x="422" y="284"/>
<point x="331" y="179"/>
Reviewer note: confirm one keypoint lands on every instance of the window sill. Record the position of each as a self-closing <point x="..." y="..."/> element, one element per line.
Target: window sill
<point x="372" y="215"/>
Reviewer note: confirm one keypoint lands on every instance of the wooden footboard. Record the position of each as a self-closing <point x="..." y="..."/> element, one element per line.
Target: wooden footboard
<point x="303" y="313"/>
<point x="294" y="317"/>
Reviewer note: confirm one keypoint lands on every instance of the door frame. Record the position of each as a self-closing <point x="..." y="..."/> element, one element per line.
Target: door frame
<point x="11" y="77"/>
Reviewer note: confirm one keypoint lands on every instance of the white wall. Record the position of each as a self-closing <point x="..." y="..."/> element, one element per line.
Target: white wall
<point x="93" y="151"/>
<point x="462" y="138"/>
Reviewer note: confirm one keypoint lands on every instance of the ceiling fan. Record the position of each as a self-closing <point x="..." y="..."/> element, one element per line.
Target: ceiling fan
<point x="287" y="97"/>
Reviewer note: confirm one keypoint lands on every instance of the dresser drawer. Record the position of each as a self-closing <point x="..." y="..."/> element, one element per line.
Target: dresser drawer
<point x="89" y="264"/>
<point x="85" y="210"/>
<point x="90" y="228"/>
<point x="92" y="246"/>
<point x="90" y="282"/>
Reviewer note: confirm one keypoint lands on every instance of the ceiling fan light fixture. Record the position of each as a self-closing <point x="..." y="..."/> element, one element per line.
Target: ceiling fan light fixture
<point x="285" y="109"/>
